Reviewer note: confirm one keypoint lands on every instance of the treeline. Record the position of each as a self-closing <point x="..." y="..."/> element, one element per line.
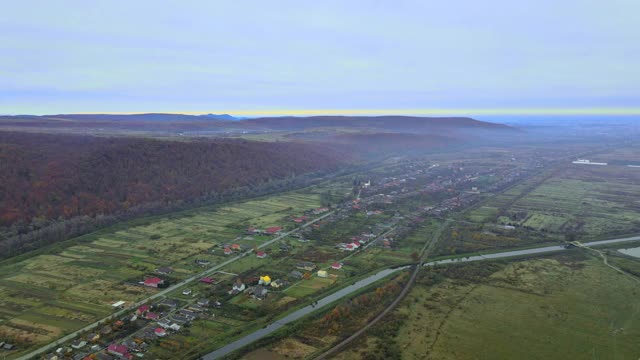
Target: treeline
<point x="53" y="187"/>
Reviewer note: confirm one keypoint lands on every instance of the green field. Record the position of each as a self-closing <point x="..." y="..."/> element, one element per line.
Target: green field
<point x="73" y="284"/>
<point x="562" y="307"/>
<point x="588" y="201"/>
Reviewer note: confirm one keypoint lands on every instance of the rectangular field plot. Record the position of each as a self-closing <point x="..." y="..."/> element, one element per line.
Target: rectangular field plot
<point x="44" y="296"/>
<point x="588" y="201"/>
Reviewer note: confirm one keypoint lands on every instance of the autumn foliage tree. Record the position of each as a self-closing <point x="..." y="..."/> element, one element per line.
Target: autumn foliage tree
<point x="47" y="178"/>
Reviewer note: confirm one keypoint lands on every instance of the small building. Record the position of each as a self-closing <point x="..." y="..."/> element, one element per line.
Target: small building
<point x="152" y="316"/>
<point x="170" y="303"/>
<point x="306" y="265"/>
<point x="118" y="304"/>
<point x="261" y="254"/>
<point x="7" y="346"/>
<point x="295" y="274"/>
<point x="164" y="270"/>
<point x="203" y="262"/>
<point x="186" y="292"/>
<point x="323" y="273"/>
<point x="227" y="251"/>
<point x="207" y="280"/>
<point x="196" y="308"/>
<point x="106" y="330"/>
<point x="78" y="344"/>
<point x="203" y="302"/>
<point x="278" y="283"/>
<point x="336" y="266"/>
<point x="238" y="287"/>
<point x="259" y="292"/>
<point x="153" y="282"/>
<point x="118" y="350"/>
<point x="273" y="230"/>
<point x="142" y="309"/>
<point x="160" y="332"/>
<point x="164" y="323"/>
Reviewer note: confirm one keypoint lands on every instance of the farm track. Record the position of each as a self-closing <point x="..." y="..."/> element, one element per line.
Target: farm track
<point x="424" y="252"/>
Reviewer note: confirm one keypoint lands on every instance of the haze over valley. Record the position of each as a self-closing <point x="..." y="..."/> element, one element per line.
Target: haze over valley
<point x="286" y="180"/>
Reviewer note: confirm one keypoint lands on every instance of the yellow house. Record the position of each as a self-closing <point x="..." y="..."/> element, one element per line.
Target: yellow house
<point x="265" y="280"/>
<point x="322" y="273"/>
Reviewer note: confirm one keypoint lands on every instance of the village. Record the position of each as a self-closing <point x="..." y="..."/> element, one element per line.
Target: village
<point x="298" y="265"/>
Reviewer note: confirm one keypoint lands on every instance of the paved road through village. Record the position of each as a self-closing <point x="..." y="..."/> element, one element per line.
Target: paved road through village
<point x="254" y="336"/>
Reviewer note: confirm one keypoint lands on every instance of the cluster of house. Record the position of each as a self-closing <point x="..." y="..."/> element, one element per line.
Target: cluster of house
<point x="156" y="329"/>
<point x="320" y="210"/>
<point x="354" y="244"/>
<point x="88" y="347"/>
<point x="260" y="290"/>
<point x="273" y="230"/>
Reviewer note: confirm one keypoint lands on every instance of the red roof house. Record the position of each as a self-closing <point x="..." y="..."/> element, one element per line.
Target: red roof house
<point x="142" y="309"/>
<point x="160" y="332"/>
<point x="152" y="316"/>
<point x="336" y="265"/>
<point x="227" y="251"/>
<point x="206" y="280"/>
<point x="119" y="350"/>
<point x="153" y="282"/>
<point x="273" y="229"/>
<point x="261" y="254"/>
<point x="235" y="246"/>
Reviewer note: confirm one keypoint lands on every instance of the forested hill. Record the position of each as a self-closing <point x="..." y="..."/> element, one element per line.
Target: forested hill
<point x="63" y="176"/>
<point x="389" y="123"/>
<point x="220" y="124"/>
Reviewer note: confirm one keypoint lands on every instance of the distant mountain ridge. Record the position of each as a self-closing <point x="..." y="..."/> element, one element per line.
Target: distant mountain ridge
<point x="389" y="122"/>
<point x="181" y="122"/>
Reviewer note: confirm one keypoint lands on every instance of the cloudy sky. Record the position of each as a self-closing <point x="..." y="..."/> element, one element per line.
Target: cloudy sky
<point x="305" y="57"/>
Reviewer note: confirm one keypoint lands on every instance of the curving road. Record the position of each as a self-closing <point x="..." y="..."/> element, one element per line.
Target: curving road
<point x="259" y="334"/>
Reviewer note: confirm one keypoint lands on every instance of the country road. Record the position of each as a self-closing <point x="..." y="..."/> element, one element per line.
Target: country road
<point x="164" y="292"/>
<point x="531" y="251"/>
<point x="271" y="328"/>
<point x="424" y="252"/>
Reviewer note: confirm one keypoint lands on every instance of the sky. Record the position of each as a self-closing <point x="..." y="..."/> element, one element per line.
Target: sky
<point x="320" y="57"/>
